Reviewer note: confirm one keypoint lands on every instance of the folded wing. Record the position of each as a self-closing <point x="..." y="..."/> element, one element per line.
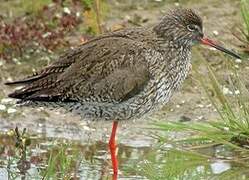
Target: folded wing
<point x="108" y="69"/>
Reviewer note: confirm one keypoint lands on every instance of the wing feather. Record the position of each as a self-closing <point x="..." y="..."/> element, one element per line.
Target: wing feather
<point x="104" y="70"/>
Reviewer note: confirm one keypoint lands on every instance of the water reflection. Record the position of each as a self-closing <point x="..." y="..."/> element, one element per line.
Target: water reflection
<point x="220" y="167"/>
<point x="93" y="162"/>
<point x="90" y="159"/>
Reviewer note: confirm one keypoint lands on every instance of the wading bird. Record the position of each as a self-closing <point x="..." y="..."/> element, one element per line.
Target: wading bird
<point x="120" y="75"/>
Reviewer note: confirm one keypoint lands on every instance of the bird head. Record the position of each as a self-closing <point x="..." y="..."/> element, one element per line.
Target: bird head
<point x="183" y="27"/>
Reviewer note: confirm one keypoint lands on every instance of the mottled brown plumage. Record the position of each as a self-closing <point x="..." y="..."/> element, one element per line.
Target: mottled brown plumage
<point x="119" y="75"/>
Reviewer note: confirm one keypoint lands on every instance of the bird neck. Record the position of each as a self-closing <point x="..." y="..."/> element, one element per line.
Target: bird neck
<point x="168" y="46"/>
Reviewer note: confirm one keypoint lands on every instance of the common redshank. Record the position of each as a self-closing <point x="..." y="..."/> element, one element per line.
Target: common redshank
<point x="120" y="75"/>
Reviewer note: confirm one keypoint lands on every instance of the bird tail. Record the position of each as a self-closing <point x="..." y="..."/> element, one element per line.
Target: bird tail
<point x="24" y="81"/>
<point x="35" y="88"/>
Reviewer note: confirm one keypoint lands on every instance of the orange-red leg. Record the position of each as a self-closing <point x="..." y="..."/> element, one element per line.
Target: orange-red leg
<point x="112" y="146"/>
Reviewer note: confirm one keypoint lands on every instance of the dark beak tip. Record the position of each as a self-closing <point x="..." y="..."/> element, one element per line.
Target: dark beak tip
<point x="215" y="45"/>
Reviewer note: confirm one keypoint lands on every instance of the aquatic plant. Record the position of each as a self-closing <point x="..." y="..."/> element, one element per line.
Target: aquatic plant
<point x="245" y="16"/>
<point x="242" y="33"/>
<point x="61" y="164"/>
<point x="175" y="164"/>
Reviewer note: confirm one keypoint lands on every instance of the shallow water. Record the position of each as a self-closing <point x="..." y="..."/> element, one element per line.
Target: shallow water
<point x="94" y="157"/>
<point x="91" y="161"/>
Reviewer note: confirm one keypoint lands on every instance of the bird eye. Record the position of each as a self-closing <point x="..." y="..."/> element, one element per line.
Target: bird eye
<point x="191" y="28"/>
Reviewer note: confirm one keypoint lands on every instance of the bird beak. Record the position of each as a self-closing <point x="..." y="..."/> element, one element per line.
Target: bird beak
<point x="211" y="43"/>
